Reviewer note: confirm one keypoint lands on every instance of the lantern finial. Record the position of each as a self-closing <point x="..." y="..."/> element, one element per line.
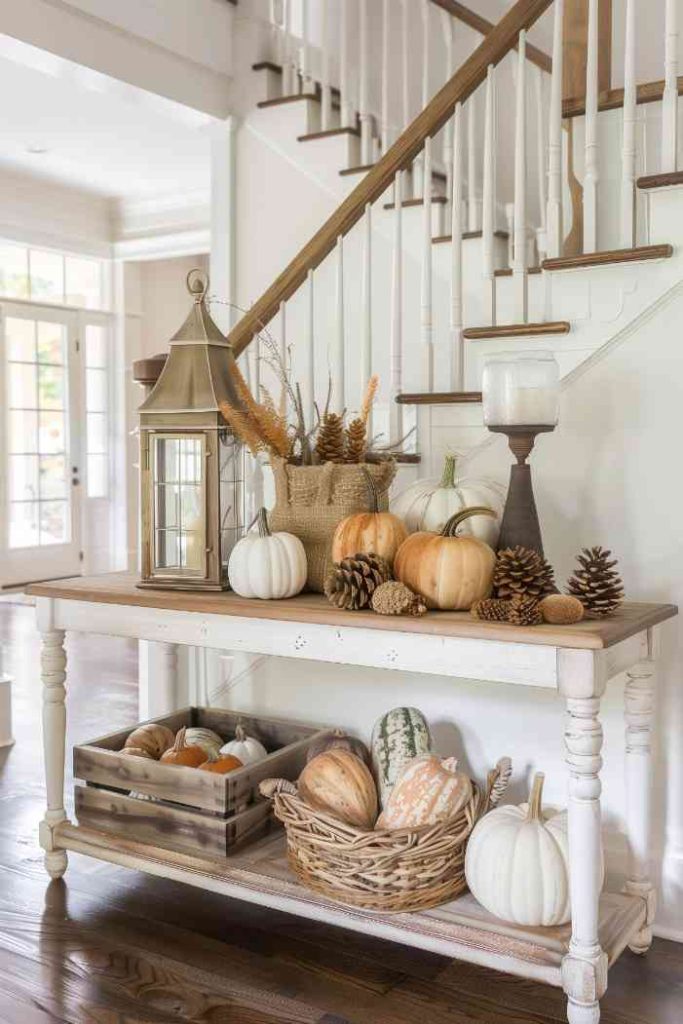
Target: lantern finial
<point x="197" y="282"/>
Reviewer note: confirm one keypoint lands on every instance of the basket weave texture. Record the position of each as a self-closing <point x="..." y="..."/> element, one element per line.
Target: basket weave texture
<point x="389" y="871"/>
<point x="310" y="501"/>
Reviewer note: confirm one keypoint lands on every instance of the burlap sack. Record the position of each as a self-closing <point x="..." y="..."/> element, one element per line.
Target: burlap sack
<point x="311" y="500"/>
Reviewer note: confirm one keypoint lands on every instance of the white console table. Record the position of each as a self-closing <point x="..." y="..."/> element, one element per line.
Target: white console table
<point x="577" y="661"/>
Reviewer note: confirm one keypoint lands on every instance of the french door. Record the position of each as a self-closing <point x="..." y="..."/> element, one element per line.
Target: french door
<point x="42" y="444"/>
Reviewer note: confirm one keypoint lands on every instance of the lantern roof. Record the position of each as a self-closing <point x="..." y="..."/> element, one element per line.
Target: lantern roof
<point x="200" y="371"/>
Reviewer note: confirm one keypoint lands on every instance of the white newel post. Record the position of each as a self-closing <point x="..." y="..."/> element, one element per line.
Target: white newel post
<point x="639" y="700"/>
<point x="584" y="968"/>
<point x="53" y="676"/>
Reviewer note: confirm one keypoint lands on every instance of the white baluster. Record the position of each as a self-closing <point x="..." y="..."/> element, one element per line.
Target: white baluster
<point x="386" y="63"/>
<point x="256" y="476"/>
<point x="670" y="99"/>
<point x="310" y="349"/>
<point x="590" y="176"/>
<point x="628" y="147"/>
<point x="448" y="25"/>
<point x="396" y="332"/>
<point x="325" y="85"/>
<point x="339" y="361"/>
<point x="541" y="242"/>
<point x="276" y="15"/>
<point x="554" y="217"/>
<point x="305" y="52"/>
<point x="366" y="301"/>
<point x="288" y="79"/>
<point x="284" y="355"/>
<point x="405" y="62"/>
<point x="422" y="185"/>
<point x="472" y="198"/>
<point x="457" y="366"/>
<point x="426" y="288"/>
<point x="489" y="195"/>
<point x="347" y="113"/>
<point x="519" y="276"/>
<point x="364" y="85"/>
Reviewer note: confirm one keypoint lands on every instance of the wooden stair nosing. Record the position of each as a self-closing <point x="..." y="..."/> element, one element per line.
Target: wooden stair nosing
<point x="269" y="65"/>
<point x="328" y="134"/>
<point x="662" y="180"/>
<point x="440" y="239"/>
<point x="280" y="101"/>
<point x="599" y="259"/>
<point x="364" y="168"/>
<point x="439" y="398"/>
<point x="415" y="202"/>
<point x="517" y="330"/>
<point x="507" y="271"/>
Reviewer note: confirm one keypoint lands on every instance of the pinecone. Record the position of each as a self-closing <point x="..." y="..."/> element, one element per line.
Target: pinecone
<point x="354" y="580"/>
<point x="522" y="571"/>
<point x="524" y="611"/>
<point x="596" y="584"/>
<point x="393" y="598"/>
<point x="356" y="441"/>
<point x="330" y="443"/>
<point x="491" y="609"/>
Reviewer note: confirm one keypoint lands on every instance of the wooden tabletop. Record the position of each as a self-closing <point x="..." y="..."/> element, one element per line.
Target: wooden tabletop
<point x="121" y="589"/>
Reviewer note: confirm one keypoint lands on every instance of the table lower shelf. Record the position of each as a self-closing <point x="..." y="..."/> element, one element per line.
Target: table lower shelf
<point x="462" y="930"/>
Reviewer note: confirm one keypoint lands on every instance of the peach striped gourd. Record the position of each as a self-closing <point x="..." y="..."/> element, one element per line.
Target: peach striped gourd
<point x="428" y="790"/>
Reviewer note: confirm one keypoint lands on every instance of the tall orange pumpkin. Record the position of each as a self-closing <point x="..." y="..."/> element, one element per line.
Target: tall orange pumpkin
<point x="448" y="571"/>
<point x="373" y="532"/>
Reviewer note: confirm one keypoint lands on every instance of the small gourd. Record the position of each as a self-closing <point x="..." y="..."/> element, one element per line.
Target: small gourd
<point x="337" y="739"/>
<point x="373" y="532"/>
<point x="428" y="790"/>
<point x="153" y="738"/>
<point x="246" y="748"/>
<point x="182" y="755"/>
<point x="427" y="505"/>
<point x="137" y="752"/>
<point x="397" y="737"/>
<point x="222" y="765"/>
<point x="337" y="782"/>
<point x="517" y="863"/>
<point x="267" y="565"/>
<point x="207" y="739"/>
<point x="449" y="571"/>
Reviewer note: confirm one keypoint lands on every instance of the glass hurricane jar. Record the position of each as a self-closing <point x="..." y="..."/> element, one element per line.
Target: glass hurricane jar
<point x="521" y="390"/>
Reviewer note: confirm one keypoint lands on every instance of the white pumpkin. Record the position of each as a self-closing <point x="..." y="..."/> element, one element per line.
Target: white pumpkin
<point x="428" y="504"/>
<point x="517" y="863"/>
<point x="267" y="565"/>
<point x="246" y="748"/>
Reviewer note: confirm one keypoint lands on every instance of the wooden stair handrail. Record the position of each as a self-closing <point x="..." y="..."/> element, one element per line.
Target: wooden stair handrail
<point x="492" y="49"/>
<point x="483" y="25"/>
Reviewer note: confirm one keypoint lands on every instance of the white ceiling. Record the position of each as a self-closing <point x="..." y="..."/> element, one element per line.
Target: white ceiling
<point x="99" y="134"/>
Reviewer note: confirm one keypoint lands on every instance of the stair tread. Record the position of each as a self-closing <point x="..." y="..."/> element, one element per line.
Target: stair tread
<point x="441" y="239"/>
<point x="596" y="259"/>
<point x="269" y="65"/>
<point x="329" y="133"/>
<point x="660" y="180"/>
<point x="363" y="168"/>
<point x="439" y="398"/>
<point x="517" y="330"/>
<point x="507" y="271"/>
<point x="279" y="101"/>
<point x="415" y="202"/>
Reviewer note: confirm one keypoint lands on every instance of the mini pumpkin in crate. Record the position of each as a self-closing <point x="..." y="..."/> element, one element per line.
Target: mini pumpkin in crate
<point x="152" y="738"/>
<point x="183" y="754"/>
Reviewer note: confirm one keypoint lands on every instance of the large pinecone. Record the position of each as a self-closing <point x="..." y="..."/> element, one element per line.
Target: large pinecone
<point x="354" y="580"/>
<point x="522" y="571"/>
<point x="330" y="444"/>
<point x="356" y="441"/>
<point x="524" y="611"/>
<point x="596" y="583"/>
<point x="490" y="609"/>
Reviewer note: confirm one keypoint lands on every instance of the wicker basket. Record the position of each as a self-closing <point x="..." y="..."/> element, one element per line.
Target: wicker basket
<point x="388" y="871"/>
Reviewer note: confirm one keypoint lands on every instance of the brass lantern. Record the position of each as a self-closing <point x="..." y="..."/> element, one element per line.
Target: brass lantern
<point x="191" y="465"/>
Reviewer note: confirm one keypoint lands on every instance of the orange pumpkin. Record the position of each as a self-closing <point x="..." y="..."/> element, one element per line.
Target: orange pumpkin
<point x="180" y="754"/>
<point x="373" y="532"/>
<point x="222" y="765"/>
<point x="337" y="782"/>
<point x="448" y="571"/>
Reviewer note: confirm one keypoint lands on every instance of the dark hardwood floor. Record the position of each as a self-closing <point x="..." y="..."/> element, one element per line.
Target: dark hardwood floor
<point x="109" y="946"/>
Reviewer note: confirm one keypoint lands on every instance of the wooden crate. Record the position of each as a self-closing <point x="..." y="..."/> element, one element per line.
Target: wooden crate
<point x="211" y="815"/>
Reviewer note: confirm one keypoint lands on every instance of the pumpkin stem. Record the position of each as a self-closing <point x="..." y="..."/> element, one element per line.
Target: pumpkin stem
<point x="239" y="729"/>
<point x="448" y="476"/>
<point x="262" y="523"/>
<point x="179" y="740"/>
<point x="536" y="797"/>
<point x="372" y="490"/>
<point x="451" y="527"/>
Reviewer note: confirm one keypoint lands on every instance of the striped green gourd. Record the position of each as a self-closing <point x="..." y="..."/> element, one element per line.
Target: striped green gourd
<point x="398" y="736"/>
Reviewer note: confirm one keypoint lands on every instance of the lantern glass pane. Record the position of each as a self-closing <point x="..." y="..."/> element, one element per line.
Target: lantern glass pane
<point x="231" y="463"/>
<point x="179" y="494"/>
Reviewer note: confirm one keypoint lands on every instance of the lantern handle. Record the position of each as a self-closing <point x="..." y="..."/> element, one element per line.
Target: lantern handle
<point x="197" y="282"/>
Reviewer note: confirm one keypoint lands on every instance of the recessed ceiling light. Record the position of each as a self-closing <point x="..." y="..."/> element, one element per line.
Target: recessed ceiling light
<point x="37" y="150"/>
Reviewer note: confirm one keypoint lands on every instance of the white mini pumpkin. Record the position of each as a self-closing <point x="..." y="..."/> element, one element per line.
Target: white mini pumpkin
<point x="246" y="748"/>
<point x="517" y="863"/>
<point x="267" y="565"/>
<point x="427" y="505"/>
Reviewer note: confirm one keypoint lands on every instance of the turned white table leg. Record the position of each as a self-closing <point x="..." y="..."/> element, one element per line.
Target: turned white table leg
<point x="639" y="713"/>
<point x="584" y="968"/>
<point x="53" y="674"/>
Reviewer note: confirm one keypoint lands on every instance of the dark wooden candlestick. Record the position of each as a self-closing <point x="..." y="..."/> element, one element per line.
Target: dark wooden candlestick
<point x="520" y="523"/>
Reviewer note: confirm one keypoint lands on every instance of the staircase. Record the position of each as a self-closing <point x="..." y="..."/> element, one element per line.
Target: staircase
<point x="500" y="218"/>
